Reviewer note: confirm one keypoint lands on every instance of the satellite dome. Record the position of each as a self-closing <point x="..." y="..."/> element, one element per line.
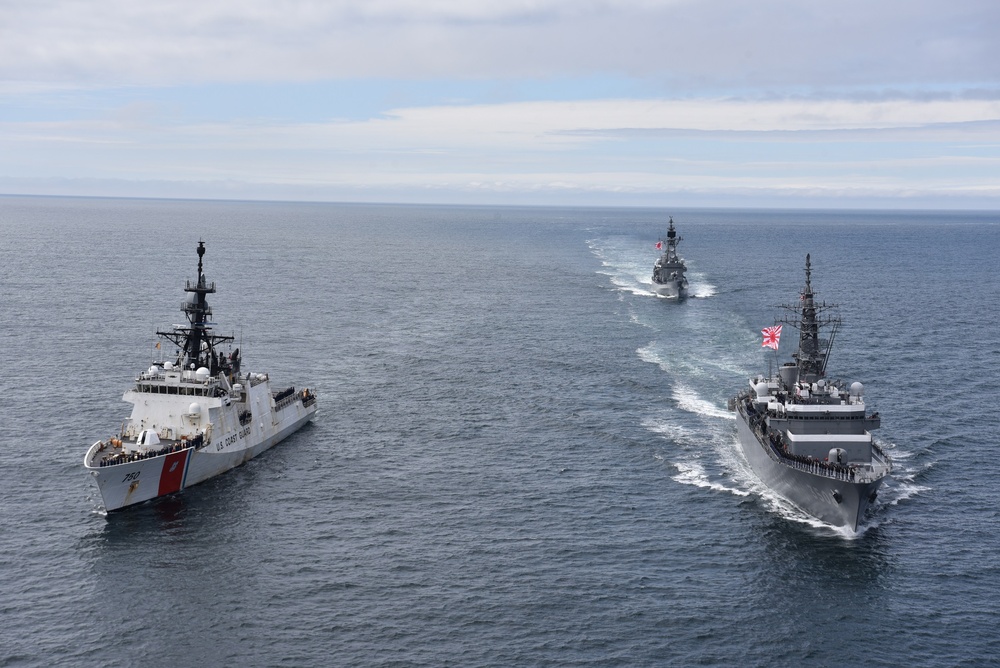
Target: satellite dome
<point x="857" y="389"/>
<point x="194" y="408"/>
<point x="202" y="374"/>
<point x="760" y="389"/>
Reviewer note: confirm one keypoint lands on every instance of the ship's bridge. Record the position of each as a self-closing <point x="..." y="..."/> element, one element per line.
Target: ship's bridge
<point x="170" y="379"/>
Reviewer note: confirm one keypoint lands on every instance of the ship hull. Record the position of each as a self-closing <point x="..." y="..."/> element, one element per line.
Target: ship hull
<point x="815" y="494"/>
<point x="127" y="484"/>
<point x="671" y="289"/>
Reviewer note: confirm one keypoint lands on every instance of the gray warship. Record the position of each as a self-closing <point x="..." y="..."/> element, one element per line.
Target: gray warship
<point x="668" y="272"/>
<point x="809" y="438"/>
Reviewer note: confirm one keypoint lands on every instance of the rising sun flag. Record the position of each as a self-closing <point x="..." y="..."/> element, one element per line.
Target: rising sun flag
<point x="771" y="336"/>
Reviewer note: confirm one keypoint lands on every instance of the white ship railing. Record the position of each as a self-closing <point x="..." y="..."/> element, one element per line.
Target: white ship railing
<point x="115" y="457"/>
<point x="305" y="396"/>
<point x="290" y="399"/>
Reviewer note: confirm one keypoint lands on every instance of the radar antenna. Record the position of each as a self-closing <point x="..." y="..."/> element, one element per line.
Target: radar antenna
<point x="809" y="319"/>
<point x="196" y="342"/>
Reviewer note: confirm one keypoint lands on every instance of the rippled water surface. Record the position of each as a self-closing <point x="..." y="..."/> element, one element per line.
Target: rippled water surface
<point x="522" y="455"/>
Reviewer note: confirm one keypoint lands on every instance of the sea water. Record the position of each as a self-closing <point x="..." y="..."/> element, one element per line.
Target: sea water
<point x="522" y="456"/>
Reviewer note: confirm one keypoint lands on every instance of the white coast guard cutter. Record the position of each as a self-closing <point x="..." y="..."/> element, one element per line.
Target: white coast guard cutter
<point x="193" y="418"/>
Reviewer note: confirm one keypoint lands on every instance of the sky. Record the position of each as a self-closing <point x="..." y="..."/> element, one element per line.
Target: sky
<point x="727" y="103"/>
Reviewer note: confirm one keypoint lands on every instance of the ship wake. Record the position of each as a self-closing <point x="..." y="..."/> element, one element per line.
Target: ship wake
<point x="629" y="269"/>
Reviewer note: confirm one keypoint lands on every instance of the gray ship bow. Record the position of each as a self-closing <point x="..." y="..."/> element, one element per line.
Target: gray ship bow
<point x="807" y="437"/>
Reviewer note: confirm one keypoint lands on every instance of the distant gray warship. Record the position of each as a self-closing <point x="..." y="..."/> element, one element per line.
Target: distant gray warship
<point x="809" y="438"/>
<point x="668" y="272"/>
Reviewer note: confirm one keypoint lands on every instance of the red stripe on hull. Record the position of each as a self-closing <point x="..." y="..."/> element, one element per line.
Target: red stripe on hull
<point x="173" y="472"/>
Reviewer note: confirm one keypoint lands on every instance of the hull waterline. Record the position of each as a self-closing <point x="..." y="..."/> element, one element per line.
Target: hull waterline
<point x="813" y="493"/>
<point x="671" y="290"/>
<point x="130" y="483"/>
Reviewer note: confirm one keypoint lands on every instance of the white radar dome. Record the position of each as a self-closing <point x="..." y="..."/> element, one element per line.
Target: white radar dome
<point x="201" y="375"/>
<point x="761" y="390"/>
<point x="857" y="389"/>
<point x="194" y="408"/>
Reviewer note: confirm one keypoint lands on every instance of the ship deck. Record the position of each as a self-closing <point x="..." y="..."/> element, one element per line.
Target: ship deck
<point x="116" y="451"/>
<point x="879" y="467"/>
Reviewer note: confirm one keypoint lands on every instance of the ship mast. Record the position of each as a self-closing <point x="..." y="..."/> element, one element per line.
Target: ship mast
<point x="672" y="239"/>
<point x="813" y="352"/>
<point x="196" y="343"/>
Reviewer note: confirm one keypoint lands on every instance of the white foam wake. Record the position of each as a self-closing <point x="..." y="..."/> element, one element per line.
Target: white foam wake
<point x="649" y="354"/>
<point x="693" y="473"/>
<point x="699" y="287"/>
<point x="689" y="400"/>
<point x="672" y="429"/>
<point x="702" y="290"/>
<point x="628" y="270"/>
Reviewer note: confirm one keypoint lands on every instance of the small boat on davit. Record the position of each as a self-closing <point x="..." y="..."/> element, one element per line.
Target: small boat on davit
<point x="195" y="417"/>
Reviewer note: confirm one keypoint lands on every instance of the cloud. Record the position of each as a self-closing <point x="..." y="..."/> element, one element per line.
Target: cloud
<point x="676" y="44"/>
<point x="324" y="99"/>
<point x="558" y="121"/>
<point x="630" y="189"/>
<point x="623" y="146"/>
<point x="539" y="126"/>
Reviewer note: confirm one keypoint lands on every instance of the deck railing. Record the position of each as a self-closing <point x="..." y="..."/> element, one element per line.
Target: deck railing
<point x="755" y="420"/>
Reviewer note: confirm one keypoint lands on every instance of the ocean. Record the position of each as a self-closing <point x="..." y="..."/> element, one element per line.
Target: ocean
<point x="522" y="457"/>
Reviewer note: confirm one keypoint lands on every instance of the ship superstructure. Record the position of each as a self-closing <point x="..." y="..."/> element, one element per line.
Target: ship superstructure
<point x="808" y="437"/>
<point x="668" y="271"/>
<point x="194" y="417"/>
